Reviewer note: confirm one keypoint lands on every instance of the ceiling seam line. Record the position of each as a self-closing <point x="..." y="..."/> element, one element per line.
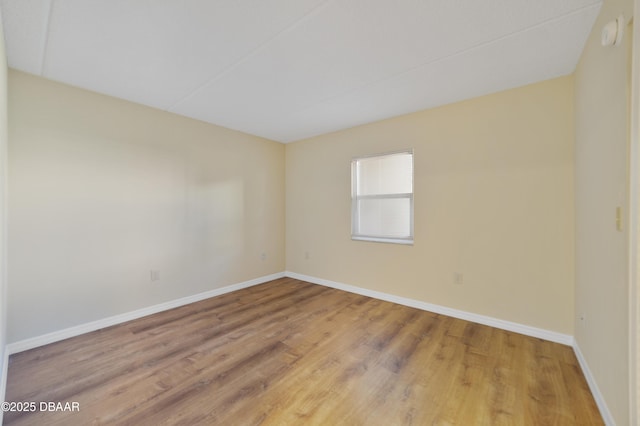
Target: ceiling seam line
<point x="453" y="55"/>
<point x="45" y="42"/>
<point x="235" y="64"/>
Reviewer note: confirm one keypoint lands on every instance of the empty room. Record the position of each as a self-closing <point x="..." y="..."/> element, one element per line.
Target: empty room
<point x="319" y="212"/>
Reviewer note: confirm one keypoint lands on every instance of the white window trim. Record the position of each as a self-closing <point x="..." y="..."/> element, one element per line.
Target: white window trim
<point x="354" y="202"/>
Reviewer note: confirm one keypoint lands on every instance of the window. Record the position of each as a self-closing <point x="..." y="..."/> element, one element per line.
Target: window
<point x="382" y="198"/>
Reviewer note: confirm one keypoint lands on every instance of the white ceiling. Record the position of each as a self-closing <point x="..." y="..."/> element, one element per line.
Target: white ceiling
<point x="291" y="69"/>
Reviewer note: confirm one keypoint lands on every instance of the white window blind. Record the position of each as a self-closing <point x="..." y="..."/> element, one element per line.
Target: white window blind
<point x="382" y="198"/>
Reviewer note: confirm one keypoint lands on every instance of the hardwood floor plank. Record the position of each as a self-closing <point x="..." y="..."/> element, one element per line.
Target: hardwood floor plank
<point x="289" y="352"/>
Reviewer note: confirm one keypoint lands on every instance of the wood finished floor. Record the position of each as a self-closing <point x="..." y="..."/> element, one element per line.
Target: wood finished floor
<point x="292" y="353"/>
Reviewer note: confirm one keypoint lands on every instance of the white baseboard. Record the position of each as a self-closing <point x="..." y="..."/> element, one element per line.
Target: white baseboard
<point x="56" y="336"/>
<point x="540" y="333"/>
<point x="3" y="383"/>
<point x="593" y="386"/>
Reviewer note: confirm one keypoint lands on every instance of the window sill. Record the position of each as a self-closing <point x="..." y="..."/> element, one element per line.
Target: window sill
<point x="408" y="242"/>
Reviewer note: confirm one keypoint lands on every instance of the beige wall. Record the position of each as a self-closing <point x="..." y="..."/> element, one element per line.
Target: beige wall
<point x="3" y="173"/>
<point x="101" y="191"/>
<point x="601" y="99"/>
<point x="493" y="201"/>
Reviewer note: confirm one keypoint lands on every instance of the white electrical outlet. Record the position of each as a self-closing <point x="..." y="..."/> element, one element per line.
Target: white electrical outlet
<point x="263" y="256"/>
<point x="619" y="219"/>
<point x="155" y="275"/>
<point x="458" y="279"/>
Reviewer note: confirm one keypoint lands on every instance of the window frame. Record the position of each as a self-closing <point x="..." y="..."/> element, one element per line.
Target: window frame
<point x="355" y="232"/>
